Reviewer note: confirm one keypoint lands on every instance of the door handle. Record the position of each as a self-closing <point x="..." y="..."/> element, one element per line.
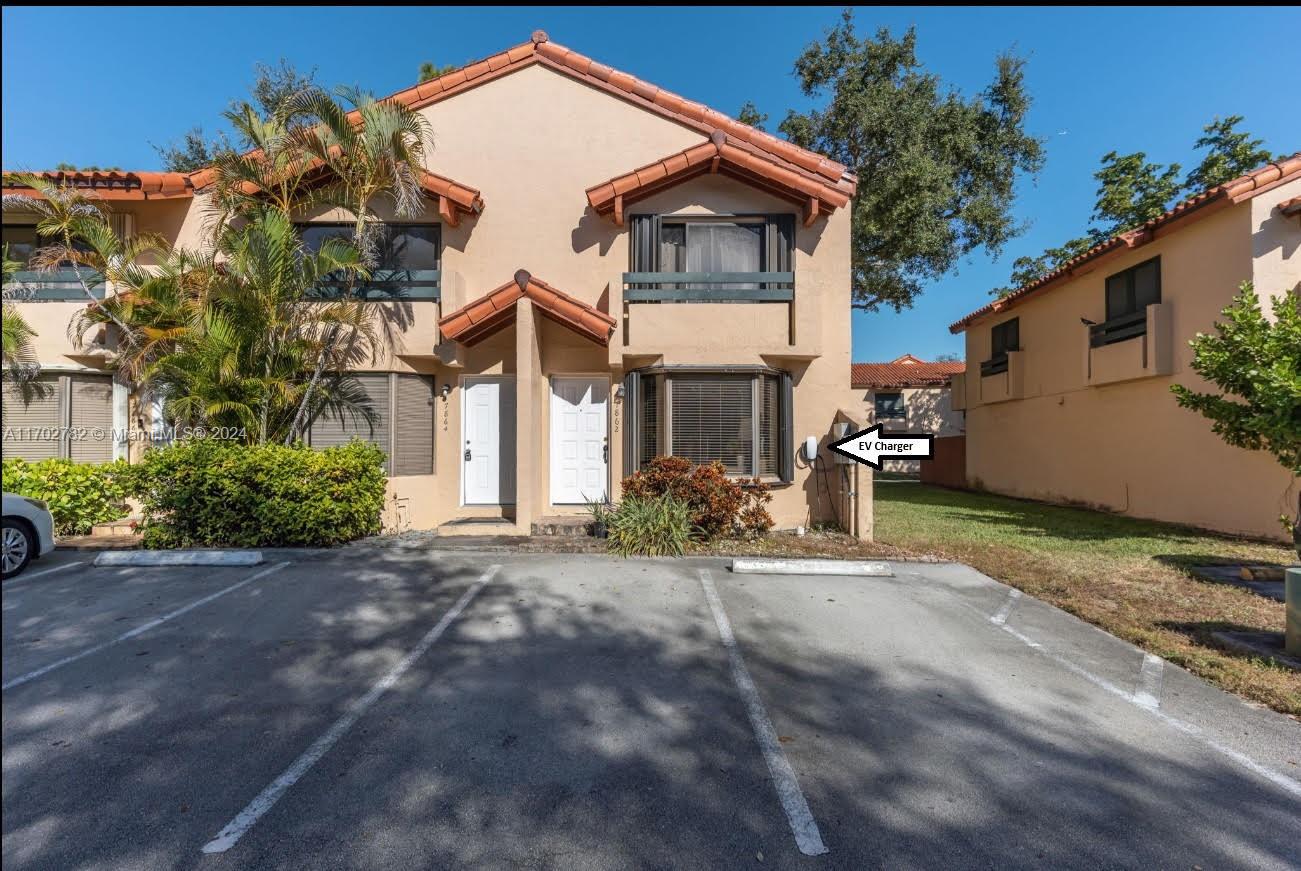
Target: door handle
<point x="467" y="455"/>
<point x="605" y="451"/>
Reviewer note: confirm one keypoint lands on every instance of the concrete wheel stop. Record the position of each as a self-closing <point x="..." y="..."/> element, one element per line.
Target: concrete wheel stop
<point x="179" y="558"/>
<point x="850" y="568"/>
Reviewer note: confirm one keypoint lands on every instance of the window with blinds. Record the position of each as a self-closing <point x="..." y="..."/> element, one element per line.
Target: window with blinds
<point x="66" y="416"/>
<point x="742" y="419"/>
<point x="403" y="405"/>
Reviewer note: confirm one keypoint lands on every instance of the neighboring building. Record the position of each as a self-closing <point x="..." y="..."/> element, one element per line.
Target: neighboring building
<point x="1067" y="388"/>
<point x="909" y="395"/>
<point x="575" y="307"/>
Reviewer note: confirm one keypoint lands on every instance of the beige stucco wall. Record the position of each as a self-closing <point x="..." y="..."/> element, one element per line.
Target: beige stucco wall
<point x="532" y="142"/>
<point x="1124" y="444"/>
<point x="929" y="410"/>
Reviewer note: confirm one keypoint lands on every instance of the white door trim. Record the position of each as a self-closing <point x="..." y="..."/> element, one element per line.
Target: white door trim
<point x="600" y="381"/>
<point x="503" y="463"/>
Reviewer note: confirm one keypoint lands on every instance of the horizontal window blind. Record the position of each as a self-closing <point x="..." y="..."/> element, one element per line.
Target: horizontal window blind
<point x="331" y="430"/>
<point x="649" y="429"/>
<point x="413" y="425"/>
<point x="769" y="426"/>
<point x="32" y="410"/>
<point x="712" y="420"/>
<point x="91" y="417"/>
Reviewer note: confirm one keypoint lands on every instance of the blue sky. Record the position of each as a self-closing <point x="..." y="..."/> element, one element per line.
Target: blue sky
<point x="1126" y="79"/>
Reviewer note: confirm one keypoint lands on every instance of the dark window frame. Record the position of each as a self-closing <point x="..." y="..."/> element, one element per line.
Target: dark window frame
<point x="389" y="282"/>
<point x="1128" y="320"/>
<point x="772" y="433"/>
<point x="778" y="241"/>
<point x="902" y="413"/>
<point x="1000" y="345"/>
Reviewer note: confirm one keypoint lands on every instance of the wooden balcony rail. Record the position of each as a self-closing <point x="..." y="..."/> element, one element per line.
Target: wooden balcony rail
<point x="1119" y="329"/>
<point x="708" y="286"/>
<point x="994" y="365"/>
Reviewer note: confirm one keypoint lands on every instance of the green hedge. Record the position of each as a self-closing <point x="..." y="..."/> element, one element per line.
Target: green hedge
<point x="79" y="494"/>
<point x="222" y="494"/>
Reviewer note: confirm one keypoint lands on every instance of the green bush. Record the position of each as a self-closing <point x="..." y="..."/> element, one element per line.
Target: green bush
<point x="224" y="494"/>
<point x="649" y="526"/>
<point x="79" y="494"/>
<point x="719" y="505"/>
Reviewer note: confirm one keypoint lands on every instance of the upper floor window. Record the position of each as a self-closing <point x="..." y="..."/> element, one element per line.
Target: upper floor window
<point x="1129" y="293"/>
<point x="1003" y="338"/>
<point x="20" y="242"/>
<point x="408" y="262"/>
<point x="890" y="406"/>
<point x="709" y="257"/>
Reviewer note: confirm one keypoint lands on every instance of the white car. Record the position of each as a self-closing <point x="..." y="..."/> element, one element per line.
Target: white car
<point x="28" y="532"/>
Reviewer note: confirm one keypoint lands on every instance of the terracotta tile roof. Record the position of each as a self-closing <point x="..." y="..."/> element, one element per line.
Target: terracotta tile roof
<point x="112" y="185"/>
<point x="1238" y="190"/>
<point x="905" y="371"/>
<point x="453" y="198"/>
<point x="1290" y="207"/>
<point x="720" y="154"/>
<point x="541" y="50"/>
<point x="493" y="311"/>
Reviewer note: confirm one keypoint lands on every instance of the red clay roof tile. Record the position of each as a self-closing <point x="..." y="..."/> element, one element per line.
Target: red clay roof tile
<point x="112" y="184"/>
<point x="732" y="160"/>
<point x="1238" y="190"/>
<point x="482" y="317"/>
<point x="899" y="373"/>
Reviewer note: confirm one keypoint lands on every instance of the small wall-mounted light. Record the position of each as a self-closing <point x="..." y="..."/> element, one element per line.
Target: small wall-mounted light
<point x="618" y="392"/>
<point x="447" y="389"/>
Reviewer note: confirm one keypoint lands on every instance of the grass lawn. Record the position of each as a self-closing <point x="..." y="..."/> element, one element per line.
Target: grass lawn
<point x="1128" y="576"/>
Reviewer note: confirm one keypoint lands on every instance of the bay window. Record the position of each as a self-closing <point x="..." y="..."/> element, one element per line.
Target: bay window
<point x="740" y="417"/>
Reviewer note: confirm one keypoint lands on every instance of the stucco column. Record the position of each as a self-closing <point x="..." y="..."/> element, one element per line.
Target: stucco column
<point x="529" y="438"/>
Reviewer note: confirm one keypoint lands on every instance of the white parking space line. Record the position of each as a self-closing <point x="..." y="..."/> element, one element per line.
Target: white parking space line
<point x="1148" y="692"/>
<point x="23" y="579"/>
<point x="1004" y="612"/>
<point x="787" y="785"/>
<point x="1279" y="779"/>
<point x="266" y="799"/>
<point x="145" y="627"/>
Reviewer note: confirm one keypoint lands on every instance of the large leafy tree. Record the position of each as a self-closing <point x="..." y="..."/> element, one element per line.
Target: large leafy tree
<point x="1229" y="153"/>
<point x="1132" y="191"/>
<point x="273" y="89"/>
<point x="1256" y="364"/>
<point x="936" y="170"/>
<point x="430" y="70"/>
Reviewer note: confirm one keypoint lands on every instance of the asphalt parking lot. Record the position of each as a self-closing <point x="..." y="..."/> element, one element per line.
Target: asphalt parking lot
<point x="378" y="707"/>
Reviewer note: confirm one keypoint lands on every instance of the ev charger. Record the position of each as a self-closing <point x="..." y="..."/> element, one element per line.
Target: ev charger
<point x="811" y="448"/>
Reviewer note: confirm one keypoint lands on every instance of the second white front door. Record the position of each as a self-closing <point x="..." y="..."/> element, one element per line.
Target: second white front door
<point x="488" y="436"/>
<point x="579" y="441"/>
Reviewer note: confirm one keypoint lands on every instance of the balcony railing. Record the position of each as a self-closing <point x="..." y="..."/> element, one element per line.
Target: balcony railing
<point x="59" y="285"/>
<point x="994" y="365"/>
<point x="416" y="285"/>
<point x="1119" y="329"/>
<point x="708" y="286"/>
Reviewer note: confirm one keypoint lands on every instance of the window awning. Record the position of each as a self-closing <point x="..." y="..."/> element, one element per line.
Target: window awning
<point x="816" y="194"/>
<point x="494" y="311"/>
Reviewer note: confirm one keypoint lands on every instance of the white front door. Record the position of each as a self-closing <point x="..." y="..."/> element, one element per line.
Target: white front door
<point x="488" y="441"/>
<point x="579" y="442"/>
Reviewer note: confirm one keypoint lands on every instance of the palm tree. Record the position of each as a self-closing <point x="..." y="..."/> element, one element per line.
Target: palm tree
<point x="16" y="335"/>
<point x="65" y="215"/>
<point x="245" y="348"/>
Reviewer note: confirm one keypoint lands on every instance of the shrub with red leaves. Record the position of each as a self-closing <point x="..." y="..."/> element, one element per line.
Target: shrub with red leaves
<point x="719" y="505"/>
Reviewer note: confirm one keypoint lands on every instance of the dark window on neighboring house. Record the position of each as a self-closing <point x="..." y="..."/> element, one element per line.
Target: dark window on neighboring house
<point x="741" y="419"/>
<point x="1003" y="338"/>
<point x="403" y="405"/>
<point x="707" y="245"/>
<point x="1129" y="293"/>
<point x="890" y="406"/>
<point x="408" y="263"/>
